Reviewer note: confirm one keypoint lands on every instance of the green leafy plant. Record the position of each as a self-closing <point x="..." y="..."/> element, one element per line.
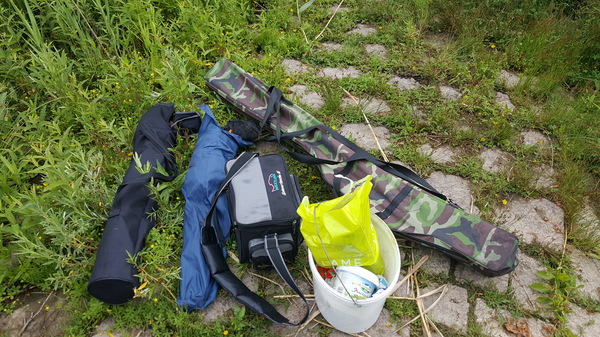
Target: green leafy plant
<point x="560" y="289"/>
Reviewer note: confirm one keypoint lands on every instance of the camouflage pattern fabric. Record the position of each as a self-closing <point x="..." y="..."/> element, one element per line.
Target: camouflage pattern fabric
<point x="410" y="211"/>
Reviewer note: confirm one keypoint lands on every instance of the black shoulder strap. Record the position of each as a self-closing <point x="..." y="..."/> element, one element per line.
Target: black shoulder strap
<point x="219" y="270"/>
<point x="274" y="103"/>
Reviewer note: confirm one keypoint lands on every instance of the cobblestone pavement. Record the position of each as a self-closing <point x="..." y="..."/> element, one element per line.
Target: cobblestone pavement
<point x="465" y="304"/>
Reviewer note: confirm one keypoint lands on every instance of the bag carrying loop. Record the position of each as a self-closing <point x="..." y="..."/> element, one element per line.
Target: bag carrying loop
<point x="212" y="246"/>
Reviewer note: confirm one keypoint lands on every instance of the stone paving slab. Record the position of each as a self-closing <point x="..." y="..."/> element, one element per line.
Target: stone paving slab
<point x="453" y="309"/>
<point x="339" y="73"/>
<point x="332" y="46"/>
<point x="363" y="137"/>
<point x="496" y="160"/>
<point x="534" y="138"/>
<point x="522" y="277"/>
<point x="292" y="67"/>
<point x="309" y="98"/>
<point x="504" y="101"/>
<point x="456" y="188"/>
<point x="369" y="105"/>
<point x="545" y="177"/>
<point x="588" y="271"/>
<point x="337" y="9"/>
<point x="449" y="93"/>
<point x="508" y="79"/>
<point x="490" y="319"/>
<point x="376" y="49"/>
<point x="583" y="323"/>
<point x="533" y="221"/>
<point x="495" y="322"/>
<point x="441" y="155"/>
<point x="364" y="30"/>
<point x="404" y="83"/>
<point x="40" y="315"/>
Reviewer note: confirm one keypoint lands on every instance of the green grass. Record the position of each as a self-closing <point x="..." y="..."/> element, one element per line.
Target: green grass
<point x="75" y="77"/>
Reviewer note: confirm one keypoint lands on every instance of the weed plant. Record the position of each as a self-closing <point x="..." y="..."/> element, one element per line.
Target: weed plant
<point x="76" y="76"/>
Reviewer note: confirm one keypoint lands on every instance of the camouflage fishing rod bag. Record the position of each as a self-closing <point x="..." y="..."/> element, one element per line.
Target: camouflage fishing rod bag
<point x="410" y="206"/>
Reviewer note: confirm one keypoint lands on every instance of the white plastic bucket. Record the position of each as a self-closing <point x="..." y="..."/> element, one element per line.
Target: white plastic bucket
<point x="341" y="311"/>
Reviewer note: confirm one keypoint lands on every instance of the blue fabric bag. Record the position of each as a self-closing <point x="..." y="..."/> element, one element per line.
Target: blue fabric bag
<point x="214" y="148"/>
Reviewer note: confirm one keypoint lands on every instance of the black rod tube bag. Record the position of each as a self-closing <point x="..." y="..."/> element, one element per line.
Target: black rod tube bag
<point x="113" y="278"/>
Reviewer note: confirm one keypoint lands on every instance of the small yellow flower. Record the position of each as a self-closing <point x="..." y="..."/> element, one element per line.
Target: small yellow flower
<point x="130" y="154"/>
<point x="288" y="79"/>
<point x="493" y="46"/>
<point x="151" y="246"/>
<point x="39" y="237"/>
<point x="45" y="184"/>
<point x="380" y="27"/>
<point x="155" y="299"/>
<point x="504" y="202"/>
<point x="334" y="127"/>
<point x="291" y="9"/>
<point x="47" y="308"/>
<point x="226" y="332"/>
<point x="140" y="58"/>
<point x="482" y="139"/>
<point x="210" y="106"/>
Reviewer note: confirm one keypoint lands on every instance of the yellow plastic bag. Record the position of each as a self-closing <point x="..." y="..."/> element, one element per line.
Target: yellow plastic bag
<point x="339" y="232"/>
